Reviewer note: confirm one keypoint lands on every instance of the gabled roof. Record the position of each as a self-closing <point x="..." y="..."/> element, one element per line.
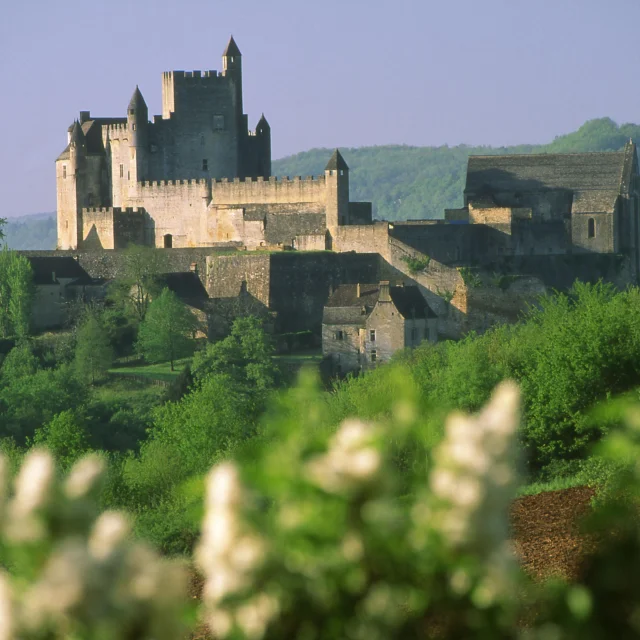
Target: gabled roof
<point x="536" y="172"/>
<point x="49" y="270"/>
<point x="344" y="306"/>
<point x="337" y="162"/>
<point x="232" y="48"/>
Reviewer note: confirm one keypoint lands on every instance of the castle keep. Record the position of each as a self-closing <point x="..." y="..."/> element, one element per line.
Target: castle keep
<point x="194" y="177"/>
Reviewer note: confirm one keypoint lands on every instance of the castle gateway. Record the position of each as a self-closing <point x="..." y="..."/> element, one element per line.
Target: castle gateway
<point x="194" y="177"/>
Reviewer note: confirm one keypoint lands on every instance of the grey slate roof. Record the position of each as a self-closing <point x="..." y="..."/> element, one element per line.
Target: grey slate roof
<point x="345" y="307"/>
<point x="337" y="162"/>
<point x="137" y="101"/>
<point x="535" y="172"/>
<point x="232" y="48"/>
<point x="187" y="286"/>
<point x="49" y="269"/>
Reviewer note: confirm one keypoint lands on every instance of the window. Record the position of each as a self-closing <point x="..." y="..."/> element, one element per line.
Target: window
<point x="374" y="355"/>
<point x="591" y="228"/>
<point x="202" y="141"/>
<point x="218" y="123"/>
<point x="372" y="335"/>
<point x="205" y="165"/>
<point x="339" y="335"/>
<point x="122" y="171"/>
<point x="168" y="241"/>
<point x="133" y="126"/>
<point x="64" y="170"/>
<point x="414" y="334"/>
<point x="90" y="200"/>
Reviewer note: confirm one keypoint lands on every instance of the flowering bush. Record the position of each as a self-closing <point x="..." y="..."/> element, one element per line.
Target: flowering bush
<point x="316" y="535"/>
<point x="74" y="573"/>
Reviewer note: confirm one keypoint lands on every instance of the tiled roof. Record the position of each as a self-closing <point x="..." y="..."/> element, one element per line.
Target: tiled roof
<point x="535" y="172"/>
<point x="346" y="307"/>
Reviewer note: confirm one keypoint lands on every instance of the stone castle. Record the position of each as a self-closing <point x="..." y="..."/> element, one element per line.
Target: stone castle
<point x="194" y="177"/>
<point x="196" y="181"/>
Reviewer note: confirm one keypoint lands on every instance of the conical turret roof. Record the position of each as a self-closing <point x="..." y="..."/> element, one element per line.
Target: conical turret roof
<point x="77" y="135"/>
<point x="137" y="101"/>
<point x="262" y="123"/>
<point x="337" y="162"/>
<point x="232" y="48"/>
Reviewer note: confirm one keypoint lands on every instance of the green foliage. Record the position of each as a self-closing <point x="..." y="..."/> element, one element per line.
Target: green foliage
<point x="65" y="436"/>
<point x="470" y="277"/>
<point x="93" y="355"/>
<point x="416" y="264"/>
<point x="246" y="355"/>
<point x="137" y="284"/>
<point x="166" y="333"/>
<point x="16" y="292"/>
<point x="30" y="396"/>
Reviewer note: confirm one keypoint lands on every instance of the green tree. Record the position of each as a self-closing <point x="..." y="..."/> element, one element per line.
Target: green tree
<point x="65" y="436"/>
<point x="166" y="333"/>
<point x="246" y="355"/>
<point x="94" y="354"/>
<point x="137" y="285"/>
<point x="16" y="292"/>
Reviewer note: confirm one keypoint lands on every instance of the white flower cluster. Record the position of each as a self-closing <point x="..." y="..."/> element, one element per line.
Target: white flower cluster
<point x="352" y="459"/>
<point x="474" y="479"/>
<point x="228" y="555"/>
<point x="91" y="579"/>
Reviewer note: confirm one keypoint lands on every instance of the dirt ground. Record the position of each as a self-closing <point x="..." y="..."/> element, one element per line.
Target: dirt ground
<point x="546" y="532"/>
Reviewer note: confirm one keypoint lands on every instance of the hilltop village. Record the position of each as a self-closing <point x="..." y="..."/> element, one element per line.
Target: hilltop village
<point x="195" y="183"/>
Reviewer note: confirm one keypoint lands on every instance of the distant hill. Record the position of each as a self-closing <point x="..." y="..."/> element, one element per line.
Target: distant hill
<point x="403" y="182"/>
<point x="36" y="231"/>
<point x="406" y="182"/>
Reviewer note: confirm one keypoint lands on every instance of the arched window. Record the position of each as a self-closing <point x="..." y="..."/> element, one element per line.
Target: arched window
<point x="168" y="241"/>
<point x="591" y="228"/>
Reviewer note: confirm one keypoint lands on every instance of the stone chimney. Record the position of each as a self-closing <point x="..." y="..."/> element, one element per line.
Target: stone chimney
<point x="358" y="290"/>
<point x="385" y="295"/>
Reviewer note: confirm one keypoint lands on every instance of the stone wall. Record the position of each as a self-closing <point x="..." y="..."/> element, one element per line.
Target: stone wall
<point x="342" y="343"/>
<point x="294" y="285"/>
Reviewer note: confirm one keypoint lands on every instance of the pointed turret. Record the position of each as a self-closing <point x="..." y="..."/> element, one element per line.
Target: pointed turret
<point x="137" y="106"/>
<point x="232" y="49"/>
<point x="262" y="125"/>
<point x="232" y="68"/>
<point x="337" y="162"/>
<point x="77" y="138"/>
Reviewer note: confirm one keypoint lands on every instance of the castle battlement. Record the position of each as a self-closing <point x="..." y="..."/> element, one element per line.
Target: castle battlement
<point x="110" y="210"/>
<point x="117" y="127"/>
<point x="191" y="76"/>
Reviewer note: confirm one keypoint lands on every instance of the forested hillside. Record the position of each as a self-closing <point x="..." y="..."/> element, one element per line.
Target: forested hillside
<point x="37" y="231"/>
<point x="403" y="182"/>
<point x="406" y="182"/>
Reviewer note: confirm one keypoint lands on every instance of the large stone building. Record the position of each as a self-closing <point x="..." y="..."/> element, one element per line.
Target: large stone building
<point x="196" y="181"/>
<point x="194" y="177"/>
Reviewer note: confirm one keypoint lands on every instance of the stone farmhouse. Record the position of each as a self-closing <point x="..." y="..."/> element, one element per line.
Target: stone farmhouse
<point x="195" y="183"/>
<point x="365" y="324"/>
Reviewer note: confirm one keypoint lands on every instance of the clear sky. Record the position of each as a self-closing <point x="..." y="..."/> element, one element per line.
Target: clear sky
<point x="326" y="74"/>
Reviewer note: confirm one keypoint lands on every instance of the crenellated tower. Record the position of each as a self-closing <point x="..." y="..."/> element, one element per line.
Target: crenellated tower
<point x="337" y="179"/>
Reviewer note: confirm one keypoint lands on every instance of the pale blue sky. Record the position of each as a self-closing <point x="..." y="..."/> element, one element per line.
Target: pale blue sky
<point x="329" y="73"/>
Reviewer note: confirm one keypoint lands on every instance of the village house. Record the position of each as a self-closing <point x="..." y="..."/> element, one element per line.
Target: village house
<point x="365" y="324"/>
